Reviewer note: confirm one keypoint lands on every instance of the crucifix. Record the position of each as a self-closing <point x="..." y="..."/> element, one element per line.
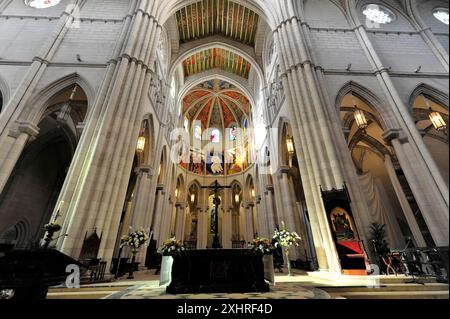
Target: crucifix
<point x="216" y="187"/>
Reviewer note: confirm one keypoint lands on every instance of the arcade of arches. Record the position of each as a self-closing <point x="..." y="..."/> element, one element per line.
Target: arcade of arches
<point x="128" y="117"/>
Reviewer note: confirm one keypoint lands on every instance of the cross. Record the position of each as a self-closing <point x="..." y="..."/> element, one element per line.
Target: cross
<point x="216" y="187"/>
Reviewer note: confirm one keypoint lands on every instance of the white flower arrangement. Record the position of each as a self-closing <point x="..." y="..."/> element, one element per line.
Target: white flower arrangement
<point x="285" y="238"/>
<point x="171" y="246"/>
<point x="135" y="239"/>
<point x="261" y="245"/>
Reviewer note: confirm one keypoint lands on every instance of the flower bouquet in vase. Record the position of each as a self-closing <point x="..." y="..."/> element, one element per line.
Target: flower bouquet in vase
<point x="170" y="247"/>
<point x="134" y="240"/>
<point x="261" y="245"/>
<point x="286" y="239"/>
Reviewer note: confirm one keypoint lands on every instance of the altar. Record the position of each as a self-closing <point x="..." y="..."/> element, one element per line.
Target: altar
<point x="217" y="271"/>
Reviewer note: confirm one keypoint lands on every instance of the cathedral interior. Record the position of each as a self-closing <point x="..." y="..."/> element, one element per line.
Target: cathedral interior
<point x="216" y="122"/>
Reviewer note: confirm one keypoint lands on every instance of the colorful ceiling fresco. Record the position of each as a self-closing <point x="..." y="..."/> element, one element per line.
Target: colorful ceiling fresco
<point x="216" y="58"/>
<point x="211" y="17"/>
<point x="216" y="103"/>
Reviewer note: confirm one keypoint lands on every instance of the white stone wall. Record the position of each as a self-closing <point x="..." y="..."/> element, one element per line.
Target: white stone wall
<point x="328" y="31"/>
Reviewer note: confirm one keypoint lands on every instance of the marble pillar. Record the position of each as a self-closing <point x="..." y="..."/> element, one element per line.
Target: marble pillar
<point x="407" y="211"/>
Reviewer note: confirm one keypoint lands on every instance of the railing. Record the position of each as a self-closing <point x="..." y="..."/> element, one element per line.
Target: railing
<point x="419" y="262"/>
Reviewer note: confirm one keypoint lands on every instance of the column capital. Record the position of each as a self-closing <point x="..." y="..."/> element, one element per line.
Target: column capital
<point x="180" y="205"/>
<point x="269" y="189"/>
<point x="145" y="169"/>
<point x="284" y="170"/>
<point x="395" y="134"/>
<point x="25" y="128"/>
<point x="249" y="204"/>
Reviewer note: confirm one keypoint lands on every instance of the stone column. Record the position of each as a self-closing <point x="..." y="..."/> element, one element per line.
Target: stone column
<point x="187" y="223"/>
<point x="290" y="210"/>
<point x="96" y="187"/>
<point x="202" y="229"/>
<point x="270" y="209"/>
<point x="359" y="200"/>
<point x="261" y="216"/>
<point x="227" y="228"/>
<point x="160" y="219"/>
<point x="424" y="177"/>
<point x="180" y="216"/>
<point x="409" y="214"/>
<point x="433" y="210"/>
<point x="242" y="222"/>
<point x="249" y="226"/>
<point x="140" y="209"/>
<point x="227" y="220"/>
<point x="319" y="160"/>
<point x="21" y="135"/>
<point x="20" y="110"/>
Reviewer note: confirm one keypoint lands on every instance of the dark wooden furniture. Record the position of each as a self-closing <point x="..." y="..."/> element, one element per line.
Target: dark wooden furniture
<point x="31" y="272"/>
<point x="119" y="266"/>
<point x="351" y="251"/>
<point x="218" y="271"/>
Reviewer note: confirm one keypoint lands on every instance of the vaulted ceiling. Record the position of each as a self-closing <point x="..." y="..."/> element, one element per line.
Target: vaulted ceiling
<point x="216" y="104"/>
<point x="210" y="17"/>
<point x="216" y="58"/>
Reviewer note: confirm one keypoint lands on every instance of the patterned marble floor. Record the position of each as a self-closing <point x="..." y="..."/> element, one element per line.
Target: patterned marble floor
<point x="279" y="291"/>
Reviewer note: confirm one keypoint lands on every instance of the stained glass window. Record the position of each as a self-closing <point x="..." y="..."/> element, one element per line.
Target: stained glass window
<point x="42" y="4"/>
<point x="215" y="136"/>
<point x="245" y="125"/>
<point x="378" y="14"/>
<point x="442" y="15"/>
<point x="198" y="132"/>
<point x="233" y="133"/>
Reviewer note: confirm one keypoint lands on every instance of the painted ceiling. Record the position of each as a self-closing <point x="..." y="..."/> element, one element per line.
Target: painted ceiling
<point x="216" y="58"/>
<point x="210" y="17"/>
<point x="216" y="104"/>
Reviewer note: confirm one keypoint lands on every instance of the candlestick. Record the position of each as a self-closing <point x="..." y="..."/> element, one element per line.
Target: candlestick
<point x="58" y="210"/>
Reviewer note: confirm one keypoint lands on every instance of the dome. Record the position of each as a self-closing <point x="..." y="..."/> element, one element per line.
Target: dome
<point x="216" y="104"/>
<point x="215" y="112"/>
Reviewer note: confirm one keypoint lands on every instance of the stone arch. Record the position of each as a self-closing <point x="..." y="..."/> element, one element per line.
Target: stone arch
<point x="149" y="132"/>
<point x="211" y="76"/>
<point x="371" y="99"/>
<point x="180" y="185"/>
<point x="163" y="166"/>
<point x="423" y="98"/>
<point x="317" y="12"/>
<point x="432" y="93"/>
<point x="218" y="43"/>
<point x="249" y="187"/>
<point x="265" y="12"/>
<point x="37" y="109"/>
<point x="284" y="127"/>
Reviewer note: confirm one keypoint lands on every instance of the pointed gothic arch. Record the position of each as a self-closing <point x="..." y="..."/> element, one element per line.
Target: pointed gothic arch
<point x="370" y="98"/>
